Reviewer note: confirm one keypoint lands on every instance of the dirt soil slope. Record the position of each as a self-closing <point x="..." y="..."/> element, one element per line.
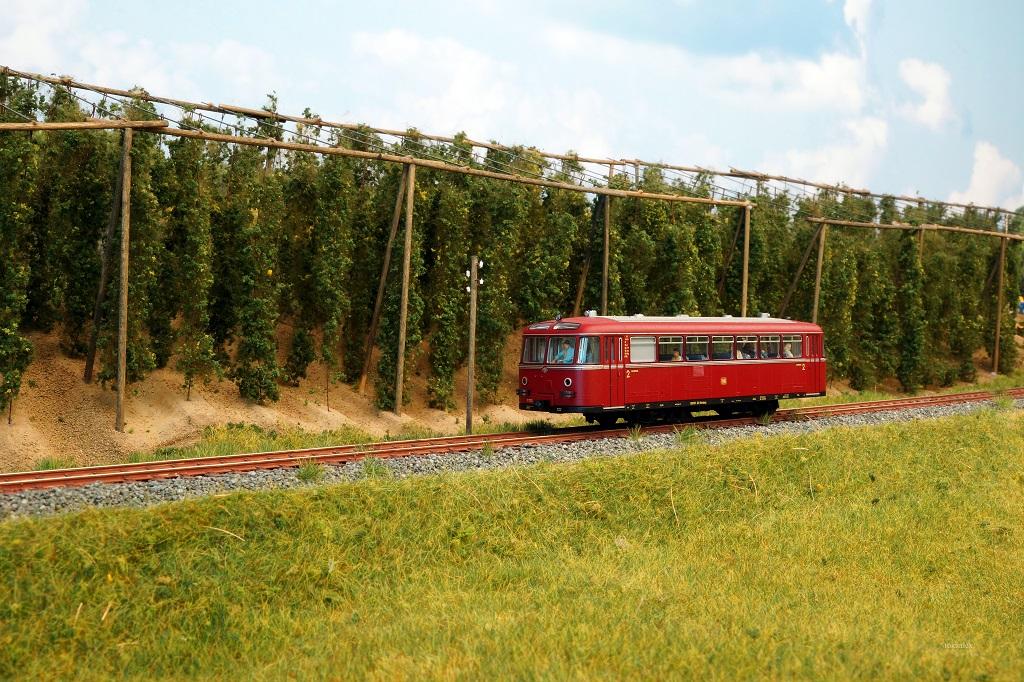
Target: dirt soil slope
<point x="58" y="415"/>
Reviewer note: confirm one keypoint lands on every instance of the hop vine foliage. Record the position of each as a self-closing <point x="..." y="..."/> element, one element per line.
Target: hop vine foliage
<point x="447" y="228"/>
<point x="77" y="180"/>
<point x="190" y="259"/>
<point x="911" y="314"/>
<point x="255" y="265"/>
<point x="331" y="247"/>
<point x="148" y="225"/>
<point x="253" y="213"/>
<point x="18" y="170"/>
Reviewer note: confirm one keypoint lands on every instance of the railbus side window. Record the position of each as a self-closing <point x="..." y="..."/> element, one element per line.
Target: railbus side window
<point x="533" y="349"/>
<point x="590" y="350"/>
<point x="792" y="346"/>
<point x="561" y="349"/>
<point x="721" y="347"/>
<point x="746" y="347"/>
<point x="696" y="348"/>
<point x="770" y="346"/>
<point x="641" y="349"/>
<point x="670" y="348"/>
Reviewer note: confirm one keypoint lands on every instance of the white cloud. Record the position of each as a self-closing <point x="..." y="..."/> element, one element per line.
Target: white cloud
<point x="33" y="32"/>
<point x="855" y="13"/>
<point x="995" y="180"/>
<point x="678" y="106"/>
<point x="833" y="81"/>
<point x="436" y="82"/>
<point x="53" y="35"/>
<point x="931" y="82"/>
<point x="849" y="160"/>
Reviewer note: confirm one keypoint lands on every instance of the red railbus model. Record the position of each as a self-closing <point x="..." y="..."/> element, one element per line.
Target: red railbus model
<point x="647" y="369"/>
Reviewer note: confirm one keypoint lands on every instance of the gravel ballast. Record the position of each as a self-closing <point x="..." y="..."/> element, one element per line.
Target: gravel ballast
<point x="50" y="501"/>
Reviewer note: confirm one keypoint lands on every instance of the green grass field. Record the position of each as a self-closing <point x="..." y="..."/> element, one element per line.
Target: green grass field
<point x="892" y="551"/>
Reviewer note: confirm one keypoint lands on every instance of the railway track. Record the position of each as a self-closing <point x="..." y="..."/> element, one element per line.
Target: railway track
<point x="143" y="471"/>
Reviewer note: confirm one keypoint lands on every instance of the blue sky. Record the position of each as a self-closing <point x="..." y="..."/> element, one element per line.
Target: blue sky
<point x="906" y="97"/>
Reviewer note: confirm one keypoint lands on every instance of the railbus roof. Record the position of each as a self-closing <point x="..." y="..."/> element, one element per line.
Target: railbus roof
<point x="638" y="324"/>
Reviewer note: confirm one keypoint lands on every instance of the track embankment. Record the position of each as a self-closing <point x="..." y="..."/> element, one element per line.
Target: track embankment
<point x="146" y="483"/>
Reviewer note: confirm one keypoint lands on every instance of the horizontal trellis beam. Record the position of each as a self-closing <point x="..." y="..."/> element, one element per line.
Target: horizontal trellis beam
<point x="91" y="124"/>
<point x="440" y="165"/>
<point x="915" y="228"/>
<point x="138" y="93"/>
<point x="754" y="175"/>
<point x="276" y="116"/>
<point x="67" y="81"/>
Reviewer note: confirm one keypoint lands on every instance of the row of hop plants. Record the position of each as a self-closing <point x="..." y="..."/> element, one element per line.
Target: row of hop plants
<point x="231" y="244"/>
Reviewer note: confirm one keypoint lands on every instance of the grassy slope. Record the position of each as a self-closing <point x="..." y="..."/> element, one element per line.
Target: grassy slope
<point x="994" y="384"/>
<point x="237" y="438"/>
<point x="893" y="551"/>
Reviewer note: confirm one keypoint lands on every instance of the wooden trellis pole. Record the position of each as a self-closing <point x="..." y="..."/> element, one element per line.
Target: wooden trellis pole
<point x="371" y="334"/>
<point x="403" y="312"/>
<point x="799" y="271"/>
<point x="108" y="254"/>
<point x="817" y="272"/>
<point x="474" y="280"/>
<point x="581" y="285"/>
<point x="999" y="303"/>
<point x="607" y="243"/>
<point x="729" y="255"/>
<point x="122" y="319"/>
<point x="746" y="259"/>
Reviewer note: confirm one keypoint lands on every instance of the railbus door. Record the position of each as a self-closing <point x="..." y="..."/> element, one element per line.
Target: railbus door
<point x="797" y="374"/>
<point x="616" y="371"/>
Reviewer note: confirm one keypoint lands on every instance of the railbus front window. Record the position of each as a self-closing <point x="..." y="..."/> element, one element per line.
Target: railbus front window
<point x="769" y="346"/>
<point x="641" y="349"/>
<point x="670" y="348"/>
<point x="561" y="350"/>
<point x="533" y="349"/>
<point x="721" y="347"/>
<point x="792" y="346"/>
<point x="696" y="348"/>
<point x="590" y="350"/>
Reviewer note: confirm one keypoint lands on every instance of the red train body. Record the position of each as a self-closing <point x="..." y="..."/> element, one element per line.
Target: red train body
<point x="662" y="368"/>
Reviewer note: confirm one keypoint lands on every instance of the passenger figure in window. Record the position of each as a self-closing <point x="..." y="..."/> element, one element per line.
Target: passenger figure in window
<point x="787" y="350"/>
<point x="676" y="357"/>
<point x="565" y="353"/>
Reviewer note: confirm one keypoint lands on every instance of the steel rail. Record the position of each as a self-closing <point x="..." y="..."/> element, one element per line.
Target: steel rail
<point x="142" y="471"/>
